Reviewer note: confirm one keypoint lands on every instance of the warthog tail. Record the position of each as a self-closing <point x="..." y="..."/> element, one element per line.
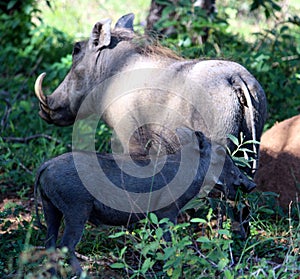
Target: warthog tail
<point x="36" y="183"/>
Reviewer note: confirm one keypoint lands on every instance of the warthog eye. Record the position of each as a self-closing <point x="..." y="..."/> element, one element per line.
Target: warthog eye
<point x="76" y="49"/>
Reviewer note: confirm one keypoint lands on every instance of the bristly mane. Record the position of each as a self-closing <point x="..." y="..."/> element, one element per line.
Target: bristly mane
<point x="147" y="44"/>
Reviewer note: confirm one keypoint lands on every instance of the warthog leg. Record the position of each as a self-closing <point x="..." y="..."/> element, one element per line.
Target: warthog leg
<point x="74" y="226"/>
<point x="53" y="219"/>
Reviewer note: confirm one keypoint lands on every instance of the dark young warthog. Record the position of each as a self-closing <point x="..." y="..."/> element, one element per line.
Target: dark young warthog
<point x="72" y="187"/>
<point x="144" y="91"/>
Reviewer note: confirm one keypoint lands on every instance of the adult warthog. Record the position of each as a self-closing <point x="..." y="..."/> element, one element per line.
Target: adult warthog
<point x="144" y="92"/>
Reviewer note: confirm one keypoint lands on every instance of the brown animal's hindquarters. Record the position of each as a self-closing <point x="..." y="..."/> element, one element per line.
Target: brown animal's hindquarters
<point x="279" y="169"/>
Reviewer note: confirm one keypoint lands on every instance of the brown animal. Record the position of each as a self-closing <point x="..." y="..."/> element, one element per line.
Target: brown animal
<point x="279" y="170"/>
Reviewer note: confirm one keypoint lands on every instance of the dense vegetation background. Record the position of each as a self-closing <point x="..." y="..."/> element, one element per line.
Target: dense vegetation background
<point x="264" y="36"/>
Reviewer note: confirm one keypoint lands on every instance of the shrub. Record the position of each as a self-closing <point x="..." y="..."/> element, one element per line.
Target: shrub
<point x="273" y="57"/>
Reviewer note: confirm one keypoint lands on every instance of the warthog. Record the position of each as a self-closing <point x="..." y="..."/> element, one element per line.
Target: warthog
<point x="64" y="187"/>
<point x="144" y="91"/>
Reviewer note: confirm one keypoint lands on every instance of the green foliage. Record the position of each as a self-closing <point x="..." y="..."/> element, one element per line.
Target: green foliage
<point x="242" y="147"/>
<point x="273" y="57"/>
<point x="205" y="247"/>
<point x="15" y="21"/>
<point x="269" y="6"/>
<point x="209" y="252"/>
<point x="27" y="47"/>
<point x="27" y="50"/>
<point x="276" y="62"/>
<point x="189" y="25"/>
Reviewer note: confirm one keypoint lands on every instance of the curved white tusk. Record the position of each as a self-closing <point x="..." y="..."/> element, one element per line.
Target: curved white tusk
<point x="39" y="91"/>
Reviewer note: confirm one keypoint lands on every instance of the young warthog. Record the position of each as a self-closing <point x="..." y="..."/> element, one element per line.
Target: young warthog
<point x="110" y="192"/>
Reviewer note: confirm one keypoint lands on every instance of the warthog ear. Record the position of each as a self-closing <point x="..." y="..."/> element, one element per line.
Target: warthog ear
<point x="100" y="36"/>
<point x="126" y="21"/>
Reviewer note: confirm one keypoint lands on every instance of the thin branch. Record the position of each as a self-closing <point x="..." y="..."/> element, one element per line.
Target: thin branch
<point x="82" y="257"/>
<point x="6" y="96"/>
<point x="7" y="110"/>
<point x="25" y="168"/>
<point x="27" y="139"/>
<point x="91" y="260"/>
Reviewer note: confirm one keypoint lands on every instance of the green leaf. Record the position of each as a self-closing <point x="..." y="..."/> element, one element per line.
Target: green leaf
<point x="181" y="225"/>
<point x="169" y="251"/>
<point x="198" y="220"/>
<point x="241" y="161"/>
<point x="159" y="233"/>
<point x="170" y="272"/>
<point x="251" y="142"/>
<point x="246" y="150"/>
<point x="118" y="234"/>
<point x="159" y="256"/>
<point x="267" y="211"/>
<point x="233" y="139"/>
<point x="163" y="2"/>
<point x="153" y="218"/>
<point x="152" y="247"/>
<point x="222" y="263"/>
<point x="117" y="265"/>
<point x="275" y="6"/>
<point x="203" y="239"/>
<point x="123" y="250"/>
<point x="11" y="4"/>
<point x="148" y="263"/>
<point x="25" y="105"/>
<point x="176" y="273"/>
<point x="187" y="42"/>
<point x="228" y="274"/>
<point x="163" y="221"/>
<point x="224" y="232"/>
<point x="273" y="194"/>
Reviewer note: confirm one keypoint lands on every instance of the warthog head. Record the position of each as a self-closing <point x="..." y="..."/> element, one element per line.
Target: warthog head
<point x="102" y="48"/>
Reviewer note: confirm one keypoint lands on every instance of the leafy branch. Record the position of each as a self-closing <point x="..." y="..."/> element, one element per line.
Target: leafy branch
<point x="242" y="146"/>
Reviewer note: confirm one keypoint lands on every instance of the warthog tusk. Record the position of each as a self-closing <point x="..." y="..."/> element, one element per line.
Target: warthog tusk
<point x="45" y="108"/>
<point x="38" y="89"/>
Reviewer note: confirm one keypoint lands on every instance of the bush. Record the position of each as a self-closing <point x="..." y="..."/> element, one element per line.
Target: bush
<point x="28" y="49"/>
<point x="200" y="249"/>
<point x="273" y="57"/>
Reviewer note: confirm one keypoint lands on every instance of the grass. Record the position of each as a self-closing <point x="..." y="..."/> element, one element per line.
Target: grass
<point x="271" y="251"/>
